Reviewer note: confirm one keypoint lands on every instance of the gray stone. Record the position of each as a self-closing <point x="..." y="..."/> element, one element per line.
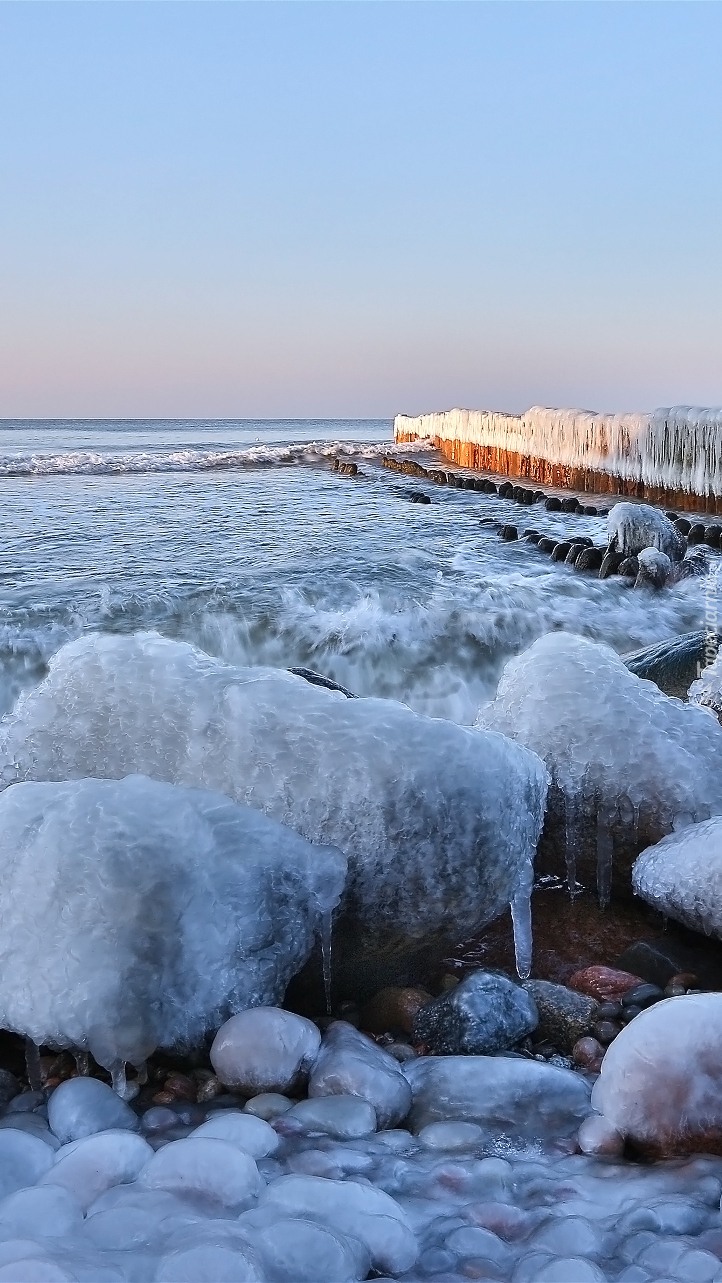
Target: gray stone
<point x="672" y="665"/>
<point x="485" y="1013"/>
<point x="564" y="1015"/>
<point x="9" y="1087"/>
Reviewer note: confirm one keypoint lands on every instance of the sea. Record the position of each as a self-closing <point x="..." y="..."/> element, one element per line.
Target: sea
<point x="238" y="537"/>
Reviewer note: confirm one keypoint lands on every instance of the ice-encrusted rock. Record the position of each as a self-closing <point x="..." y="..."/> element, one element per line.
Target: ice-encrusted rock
<point x="682" y="876"/>
<point x="299" y="1251"/>
<point x="265" y="1049"/>
<point x="81" y="1106"/>
<point x="343" y="1117"/>
<point x="451" y="1136"/>
<point x="209" y="1263"/>
<point x="627" y="762"/>
<point x="632" y="527"/>
<point x="89" y="1167"/>
<point x="24" y="1159"/>
<point x="503" y="1095"/>
<point x="655" y="569"/>
<point x="439" y="822"/>
<point x="204" y="1168"/>
<point x="40" y="1211"/>
<point x="674" y="664"/>
<point x="136" y="914"/>
<point x="252" y="1135"/>
<point x="706" y="691"/>
<point x="661" y="1080"/>
<point x="486" y="1012"/>
<point x="350" y="1064"/>
<point x="359" y="1211"/>
<point x="268" y="1105"/>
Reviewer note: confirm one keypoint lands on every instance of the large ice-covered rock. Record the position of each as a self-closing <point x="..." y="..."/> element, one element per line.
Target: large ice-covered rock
<point x="350" y="1064"/>
<point x="628" y="763"/>
<point x="632" y="527"/>
<point x="82" y="1106"/>
<point x="674" y="664"/>
<point x="206" y="1168"/>
<point x="136" y="914"/>
<point x="504" y="1095"/>
<point x="439" y="822"/>
<point x="661" y="1079"/>
<point x="265" y="1049"/>
<point x="682" y="876"/>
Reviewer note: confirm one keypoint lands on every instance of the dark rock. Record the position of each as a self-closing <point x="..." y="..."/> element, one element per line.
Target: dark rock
<point x="629" y="568"/>
<point x="553" y="504"/>
<point x="560" y="551"/>
<point x="590" y="559"/>
<point x="642" y="996"/>
<point x="564" y="1015"/>
<point x="9" y="1087"/>
<point x="348" y="469"/>
<point x="509" y="533"/>
<point x="479" y="485"/>
<point x="418" y="496"/>
<point x="609" y="1011"/>
<point x="317" y="679"/>
<point x="570" y="505"/>
<point x="588" y="1054"/>
<point x="605" y="1031"/>
<point x="453" y="480"/>
<point x="490" y="487"/>
<point x="694" y="563"/>
<point x="630" y="1013"/>
<point x="574" y="553"/>
<point x="696" y="534"/>
<point x="713" y="536"/>
<point x="657" y="960"/>
<point x="533" y="536"/>
<point x="682" y="525"/>
<point x="518" y="494"/>
<point x="485" y="1013"/>
<point x="393" y="1008"/>
<point x="506" y="490"/>
<point x="440" y="477"/>
<point x="539" y="496"/>
<point x="26" y="1103"/>
<point x="546" y="545"/>
<point x="589" y="510"/>
<point x="672" y="665"/>
<point x="528" y="496"/>
<point x="611" y="561"/>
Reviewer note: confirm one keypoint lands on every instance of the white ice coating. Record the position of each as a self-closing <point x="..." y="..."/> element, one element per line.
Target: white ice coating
<point x="682" y="876"/>
<point x="679" y="448"/>
<point x="707" y="690"/>
<point x="661" y="1079"/>
<point x="617" y="747"/>
<point x="136" y="914"/>
<point x="439" y="822"/>
<point x="633" y="527"/>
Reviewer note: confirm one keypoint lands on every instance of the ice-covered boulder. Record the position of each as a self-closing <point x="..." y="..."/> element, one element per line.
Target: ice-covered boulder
<point x="502" y="1094"/>
<point x="439" y="822"/>
<point x="82" y="1106"/>
<point x="264" y="1050"/>
<point x="674" y="664"/>
<point x="350" y="1064"/>
<point x="682" y="876"/>
<point x="628" y="763"/>
<point x="206" y="1168"/>
<point x="706" y="691"/>
<point x="661" y="1080"/>
<point x="655" y="569"/>
<point x="135" y="914"/>
<point x="632" y="527"/>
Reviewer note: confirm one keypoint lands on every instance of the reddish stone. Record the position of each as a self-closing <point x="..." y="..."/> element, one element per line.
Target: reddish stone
<point x="604" y="983"/>
<point x="393" y="1008"/>
<point x="587" y="1052"/>
<point x="164" y="1098"/>
<point x="181" y="1087"/>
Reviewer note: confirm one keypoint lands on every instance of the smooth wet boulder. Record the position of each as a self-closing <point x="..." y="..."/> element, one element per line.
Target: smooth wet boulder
<point x="672" y="665"/>
<point x="503" y="1095"/>
<point x="265" y="1049"/>
<point x="628" y="763"/>
<point x="661" y="1080"/>
<point x="350" y="1064"/>
<point x="138" y="914"/>
<point x="438" y="822"/>
<point x="681" y="876"/>
<point x="486" y="1012"/>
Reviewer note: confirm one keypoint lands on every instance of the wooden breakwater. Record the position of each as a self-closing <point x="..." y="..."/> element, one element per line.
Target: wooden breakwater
<point x="670" y="457"/>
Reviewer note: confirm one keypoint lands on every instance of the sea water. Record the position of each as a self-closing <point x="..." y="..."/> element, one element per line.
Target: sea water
<point x="238" y="537"/>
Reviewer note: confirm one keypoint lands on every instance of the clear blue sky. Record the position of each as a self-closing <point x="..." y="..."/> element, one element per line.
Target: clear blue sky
<point x="317" y="209"/>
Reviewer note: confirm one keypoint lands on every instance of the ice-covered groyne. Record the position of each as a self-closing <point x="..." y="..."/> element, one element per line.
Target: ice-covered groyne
<point x="671" y="456"/>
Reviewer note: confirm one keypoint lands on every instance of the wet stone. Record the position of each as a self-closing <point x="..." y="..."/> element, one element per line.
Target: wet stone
<point x="604" y="983"/>
<point x="485" y="1013"/>
<point x="642" y="996"/>
<point x="393" y="1008"/>
<point x="564" y="1015"/>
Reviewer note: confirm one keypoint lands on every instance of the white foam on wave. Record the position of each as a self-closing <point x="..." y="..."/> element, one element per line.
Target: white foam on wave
<point x="108" y="463"/>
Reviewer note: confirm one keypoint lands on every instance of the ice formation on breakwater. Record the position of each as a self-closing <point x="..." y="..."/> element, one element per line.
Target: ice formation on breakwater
<point x="136" y="914"/>
<point x="673" y="450"/>
<point x="439" y="823"/>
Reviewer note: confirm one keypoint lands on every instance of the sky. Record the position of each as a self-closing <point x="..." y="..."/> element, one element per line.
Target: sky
<point x="323" y="209"/>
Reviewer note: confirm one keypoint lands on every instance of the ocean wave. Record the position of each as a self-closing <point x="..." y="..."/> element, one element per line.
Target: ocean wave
<point x="100" y="463"/>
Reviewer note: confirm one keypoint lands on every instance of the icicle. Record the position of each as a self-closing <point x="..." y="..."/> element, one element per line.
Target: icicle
<point x="141" y="1071"/>
<point x="570" y="838"/>
<point x="326" y="933"/>
<point x="126" y="1090"/>
<point x="605" y="855"/>
<point x="82" y="1063"/>
<point x="32" y="1064"/>
<point x="521" y="922"/>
